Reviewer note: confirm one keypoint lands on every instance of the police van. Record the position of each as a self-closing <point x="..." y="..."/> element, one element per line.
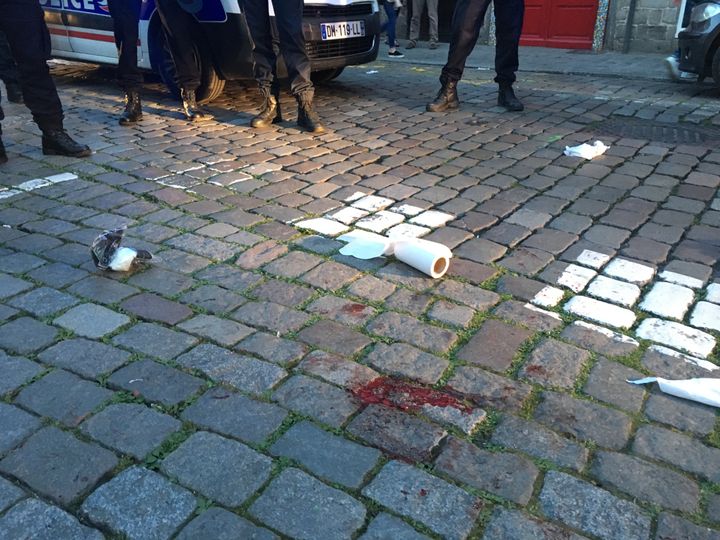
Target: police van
<point x="338" y="33"/>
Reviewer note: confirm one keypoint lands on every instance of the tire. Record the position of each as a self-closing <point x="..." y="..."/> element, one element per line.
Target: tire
<point x="716" y="67"/>
<point x="211" y="85"/>
<point x="326" y="75"/>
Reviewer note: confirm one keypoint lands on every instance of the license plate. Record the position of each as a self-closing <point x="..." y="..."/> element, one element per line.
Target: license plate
<point x="342" y="30"/>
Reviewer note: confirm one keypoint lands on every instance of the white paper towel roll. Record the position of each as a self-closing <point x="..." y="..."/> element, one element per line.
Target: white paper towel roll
<point x="430" y="258"/>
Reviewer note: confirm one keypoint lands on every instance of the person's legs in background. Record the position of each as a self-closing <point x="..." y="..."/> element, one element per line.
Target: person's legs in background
<point x="467" y="20"/>
<point x="508" y="27"/>
<point x="24" y="25"/>
<point x="126" y="16"/>
<point x="390" y="27"/>
<point x="179" y="28"/>
<point x="432" y="8"/>
<point x="9" y="72"/>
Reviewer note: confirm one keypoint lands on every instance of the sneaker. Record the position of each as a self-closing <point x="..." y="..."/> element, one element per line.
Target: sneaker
<point x="687" y="76"/>
<point x="395" y="54"/>
<point x="673" y="67"/>
<point x="433" y="45"/>
<point x="411" y="44"/>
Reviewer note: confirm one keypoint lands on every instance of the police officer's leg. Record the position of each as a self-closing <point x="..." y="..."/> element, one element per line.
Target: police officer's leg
<point x="467" y="20"/>
<point x="25" y="28"/>
<point x="9" y="72"/>
<point x="179" y="28"/>
<point x="257" y="15"/>
<point x="288" y="17"/>
<point x="508" y="27"/>
<point x="126" y="17"/>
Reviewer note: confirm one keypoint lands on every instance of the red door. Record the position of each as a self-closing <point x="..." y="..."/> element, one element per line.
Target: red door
<point x="565" y="24"/>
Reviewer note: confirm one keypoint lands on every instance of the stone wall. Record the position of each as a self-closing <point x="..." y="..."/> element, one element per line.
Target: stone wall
<point x="653" y="26"/>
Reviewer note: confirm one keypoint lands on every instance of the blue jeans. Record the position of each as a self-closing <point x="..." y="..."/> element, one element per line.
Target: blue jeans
<point x="390" y="24"/>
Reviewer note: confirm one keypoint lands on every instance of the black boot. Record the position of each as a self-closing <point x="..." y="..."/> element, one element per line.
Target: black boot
<point x="446" y="99"/>
<point x="191" y="109"/>
<point x="270" y="112"/>
<point x="133" y="109"/>
<point x="57" y="142"/>
<point x="14" y="93"/>
<point x="507" y="98"/>
<point x="308" y="119"/>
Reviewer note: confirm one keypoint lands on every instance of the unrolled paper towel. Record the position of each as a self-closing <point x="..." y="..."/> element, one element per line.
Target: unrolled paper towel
<point x="587" y="151"/>
<point x="705" y="391"/>
<point x="431" y="258"/>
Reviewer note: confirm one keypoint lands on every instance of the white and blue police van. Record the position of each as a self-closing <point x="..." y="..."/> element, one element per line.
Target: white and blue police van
<point x="338" y="33"/>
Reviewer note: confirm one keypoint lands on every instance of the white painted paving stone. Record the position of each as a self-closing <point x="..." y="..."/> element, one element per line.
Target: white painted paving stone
<point x="699" y="362"/>
<point x="358" y="234"/>
<point x="713" y="293"/>
<point x="62" y="177"/>
<point x="668" y="300"/>
<point x="407" y="209"/>
<point x="380" y="221"/>
<point x="355" y="196"/>
<point x="576" y="277"/>
<point x="613" y="290"/>
<point x="548" y="296"/>
<point x="706" y="315"/>
<point x="601" y="312"/>
<point x="405" y="230"/>
<point x="324" y="226"/>
<point x="615" y="336"/>
<point x="543" y="311"/>
<point x="432" y="219"/>
<point x="32" y="185"/>
<point x="7" y="193"/>
<point x="593" y="259"/>
<point x="347" y="215"/>
<point x="372" y="203"/>
<point x="629" y="271"/>
<point x="681" y="279"/>
<point x="677" y="336"/>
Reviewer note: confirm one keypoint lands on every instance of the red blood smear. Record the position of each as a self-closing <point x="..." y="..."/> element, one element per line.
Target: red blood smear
<point x="404" y="396"/>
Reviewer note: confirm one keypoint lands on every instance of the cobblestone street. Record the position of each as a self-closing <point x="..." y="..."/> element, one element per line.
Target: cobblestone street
<point x="255" y="383"/>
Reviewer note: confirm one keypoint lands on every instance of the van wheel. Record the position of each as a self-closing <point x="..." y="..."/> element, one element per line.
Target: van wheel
<point x="326" y="75"/>
<point x="211" y="85"/>
<point x="716" y="66"/>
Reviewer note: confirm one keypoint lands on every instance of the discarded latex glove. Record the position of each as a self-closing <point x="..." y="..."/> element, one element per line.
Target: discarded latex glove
<point x="107" y="253"/>
<point x="705" y="391"/>
<point x="430" y="258"/>
<point x="587" y="151"/>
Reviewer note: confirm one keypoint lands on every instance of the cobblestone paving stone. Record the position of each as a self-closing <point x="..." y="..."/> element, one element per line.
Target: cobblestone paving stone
<point x="242" y="386"/>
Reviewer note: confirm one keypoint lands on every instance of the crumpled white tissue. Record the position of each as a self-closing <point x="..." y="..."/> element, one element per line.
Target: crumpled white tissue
<point x="587" y="151"/>
<point x="704" y="390"/>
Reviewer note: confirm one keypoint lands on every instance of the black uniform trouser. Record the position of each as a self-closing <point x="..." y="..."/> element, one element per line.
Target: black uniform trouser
<point x="466" y="23"/>
<point x="8" y="68"/>
<point x="126" y="17"/>
<point x="288" y="17"/>
<point x="179" y="28"/>
<point x="24" y="25"/>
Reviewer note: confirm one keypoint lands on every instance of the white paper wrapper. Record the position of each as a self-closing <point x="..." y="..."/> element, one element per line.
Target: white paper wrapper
<point x="430" y="258"/>
<point x="705" y="391"/>
<point x="587" y="151"/>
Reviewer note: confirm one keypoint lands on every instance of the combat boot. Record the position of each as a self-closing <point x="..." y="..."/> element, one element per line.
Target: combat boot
<point x="446" y="99"/>
<point x="57" y="142"/>
<point x="307" y="118"/>
<point x="508" y="99"/>
<point x="270" y="112"/>
<point x="133" y="109"/>
<point x="191" y="109"/>
<point x="14" y="93"/>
